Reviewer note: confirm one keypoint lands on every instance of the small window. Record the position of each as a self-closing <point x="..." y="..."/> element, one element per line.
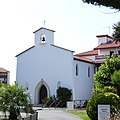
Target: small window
<point x="58" y="84"/>
<point x="89" y="71"/>
<point x="76" y="69"/>
<point x="97" y="69"/>
<point x="94" y="70"/>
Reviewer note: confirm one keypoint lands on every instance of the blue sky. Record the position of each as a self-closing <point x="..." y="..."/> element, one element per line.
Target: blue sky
<point x="76" y="25"/>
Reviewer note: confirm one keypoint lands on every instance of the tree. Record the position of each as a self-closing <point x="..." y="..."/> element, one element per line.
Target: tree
<point x="116" y="32"/>
<point x="115" y="78"/>
<point x="114" y="4"/>
<point x="103" y="76"/>
<point x="12" y="98"/>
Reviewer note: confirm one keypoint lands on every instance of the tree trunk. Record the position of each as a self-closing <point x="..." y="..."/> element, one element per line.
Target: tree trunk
<point x="118" y="92"/>
<point x="13" y="114"/>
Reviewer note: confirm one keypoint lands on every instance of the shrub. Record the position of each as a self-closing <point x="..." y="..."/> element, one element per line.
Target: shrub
<point x="98" y="90"/>
<point x="107" y="98"/>
<point x="64" y="93"/>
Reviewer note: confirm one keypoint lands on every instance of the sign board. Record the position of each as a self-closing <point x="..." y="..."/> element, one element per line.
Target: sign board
<point x="103" y="112"/>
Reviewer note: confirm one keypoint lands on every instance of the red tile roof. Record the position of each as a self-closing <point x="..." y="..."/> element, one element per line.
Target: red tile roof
<point x="88" y="53"/>
<point x="88" y="60"/>
<point x="84" y="59"/>
<point x="3" y="70"/>
<point x="112" y="44"/>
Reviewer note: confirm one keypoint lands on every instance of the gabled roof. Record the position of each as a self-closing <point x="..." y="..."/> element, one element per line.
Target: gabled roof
<point x="43" y="28"/>
<point x="88" y="53"/>
<point x="112" y="44"/>
<point x="3" y="70"/>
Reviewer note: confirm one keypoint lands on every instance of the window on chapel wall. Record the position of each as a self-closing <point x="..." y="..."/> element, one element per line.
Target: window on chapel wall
<point x="89" y="71"/>
<point x="58" y="84"/>
<point x="76" y="69"/>
<point x="94" y="69"/>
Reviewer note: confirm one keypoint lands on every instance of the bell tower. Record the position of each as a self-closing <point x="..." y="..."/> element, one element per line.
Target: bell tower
<point x="44" y="36"/>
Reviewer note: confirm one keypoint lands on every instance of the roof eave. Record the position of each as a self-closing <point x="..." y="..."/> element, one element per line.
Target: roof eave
<point x="24" y="51"/>
<point x="43" y="28"/>
<point x="92" y="62"/>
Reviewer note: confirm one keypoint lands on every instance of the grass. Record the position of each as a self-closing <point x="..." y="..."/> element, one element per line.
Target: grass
<point x="80" y="113"/>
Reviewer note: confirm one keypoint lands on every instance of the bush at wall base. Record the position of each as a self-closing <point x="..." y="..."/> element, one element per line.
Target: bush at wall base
<point x="106" y="98"/>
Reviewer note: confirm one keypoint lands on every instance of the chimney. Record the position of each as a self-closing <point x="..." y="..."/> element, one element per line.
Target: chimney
<point x="104" y="39"/>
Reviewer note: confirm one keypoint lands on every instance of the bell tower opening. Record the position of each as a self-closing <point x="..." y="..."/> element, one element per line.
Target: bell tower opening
<point x="44" y="37"/>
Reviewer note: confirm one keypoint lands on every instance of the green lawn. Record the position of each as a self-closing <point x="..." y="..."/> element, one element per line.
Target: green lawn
<point x="80" y="113"/>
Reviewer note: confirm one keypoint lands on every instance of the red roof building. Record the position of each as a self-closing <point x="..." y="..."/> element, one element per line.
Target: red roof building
<point x="106" y="47"/>
<point x="4" y="76"/>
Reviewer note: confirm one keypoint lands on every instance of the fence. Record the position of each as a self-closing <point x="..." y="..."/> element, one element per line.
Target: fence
<point x="60" y="103"/>
<point x="78" y="104"/>
<point x="3" y="115"/>
<point x="55" y="103"/>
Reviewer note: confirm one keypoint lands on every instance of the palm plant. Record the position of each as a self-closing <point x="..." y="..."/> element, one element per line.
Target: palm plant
<point x="116" y="32"/>
<point x="114" y="4"/>
<point x="12" y="98"/>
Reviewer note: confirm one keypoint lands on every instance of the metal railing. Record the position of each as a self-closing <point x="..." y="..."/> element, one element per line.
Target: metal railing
<point x="55" y="103"/>
<point x="78" y="104"/>
<point x="99" y="57"/>
<point x="60" y="103"/>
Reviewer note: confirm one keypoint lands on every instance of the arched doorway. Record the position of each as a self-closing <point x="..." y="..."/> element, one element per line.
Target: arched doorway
<point x="42" y="93"/>
<point x="42" y="90"/>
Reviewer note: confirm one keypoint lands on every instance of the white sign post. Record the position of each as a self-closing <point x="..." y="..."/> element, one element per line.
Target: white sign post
<point x="103" y="112"/>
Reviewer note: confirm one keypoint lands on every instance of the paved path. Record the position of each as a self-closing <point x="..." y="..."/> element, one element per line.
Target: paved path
<point x="55" y="115"/>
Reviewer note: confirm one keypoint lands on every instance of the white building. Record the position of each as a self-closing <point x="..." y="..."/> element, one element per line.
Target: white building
<point x="44" y="67"/>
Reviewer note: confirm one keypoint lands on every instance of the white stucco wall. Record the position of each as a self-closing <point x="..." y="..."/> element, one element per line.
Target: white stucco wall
<point x="83" y="83"/>
<point x="103" y="40"/>
<point x="107" y="51"/>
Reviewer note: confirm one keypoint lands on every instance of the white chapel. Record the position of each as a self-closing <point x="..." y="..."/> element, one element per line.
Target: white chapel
<point x="44" y="67"/>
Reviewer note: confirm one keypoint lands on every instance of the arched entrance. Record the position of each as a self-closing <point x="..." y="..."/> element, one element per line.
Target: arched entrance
<point x="42" y="93"/>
